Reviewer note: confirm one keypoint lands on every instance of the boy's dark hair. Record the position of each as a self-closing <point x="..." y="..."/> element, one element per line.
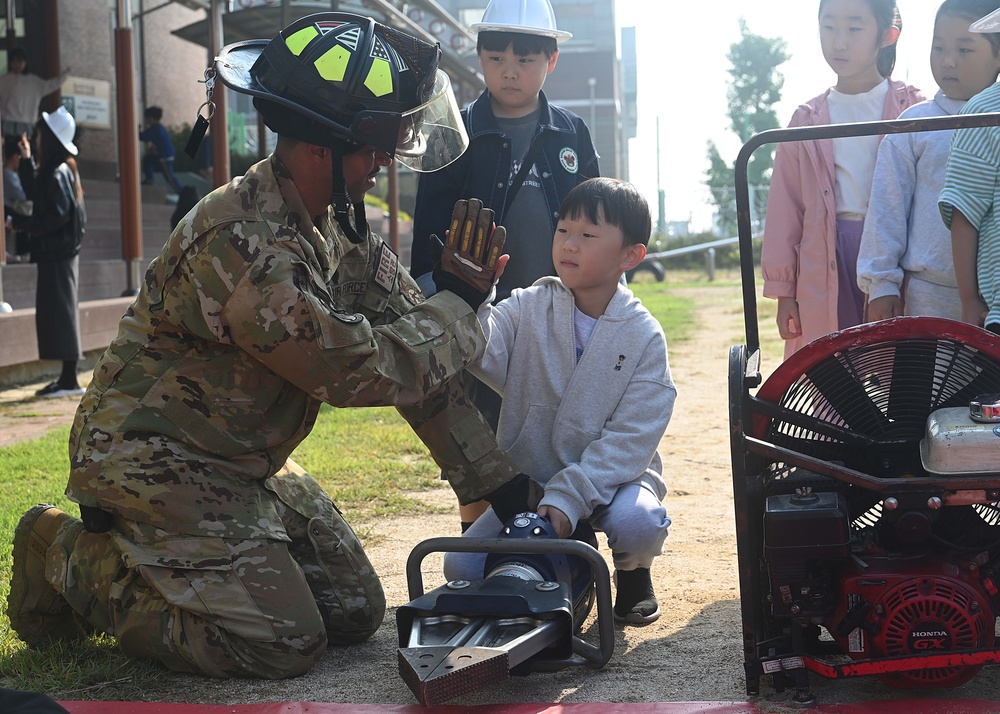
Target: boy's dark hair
<point x="614" y="202"/>
<point x="153" y="113"/>
<point x="524" y="44"/>
<point x="972" y="10"/>
<point x="16" y="53"/>
<point x="10" y="147"/>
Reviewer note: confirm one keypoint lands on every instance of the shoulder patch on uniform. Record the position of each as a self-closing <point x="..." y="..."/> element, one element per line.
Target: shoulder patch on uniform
<point x="410" y="291"/>
<point x="388" y="266"/>
<point x="349" y="317"/>
<point x="569" y="160"/>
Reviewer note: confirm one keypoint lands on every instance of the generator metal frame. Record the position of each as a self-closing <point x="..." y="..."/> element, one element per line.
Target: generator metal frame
<point x="751" y="454"/>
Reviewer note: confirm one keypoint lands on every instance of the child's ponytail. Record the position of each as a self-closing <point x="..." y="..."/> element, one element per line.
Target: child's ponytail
<point x="886" y="60"/>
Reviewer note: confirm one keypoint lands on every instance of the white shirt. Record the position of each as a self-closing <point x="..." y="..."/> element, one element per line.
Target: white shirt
<point x="583" y="327"/>
<point x="854" y="156"/>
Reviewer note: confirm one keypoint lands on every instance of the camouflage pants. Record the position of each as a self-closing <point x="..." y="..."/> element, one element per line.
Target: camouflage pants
<point x="226" y="607"/>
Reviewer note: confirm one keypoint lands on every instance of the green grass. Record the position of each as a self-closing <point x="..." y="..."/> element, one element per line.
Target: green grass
<point x="676" y="314"/>
<point x="367" y="459"/>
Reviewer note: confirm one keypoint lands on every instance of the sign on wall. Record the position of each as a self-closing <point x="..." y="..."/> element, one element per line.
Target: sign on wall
<point x="88" y="100"/>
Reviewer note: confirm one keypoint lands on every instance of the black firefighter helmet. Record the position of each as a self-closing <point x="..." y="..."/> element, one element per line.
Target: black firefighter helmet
<point x="345" y="81"/>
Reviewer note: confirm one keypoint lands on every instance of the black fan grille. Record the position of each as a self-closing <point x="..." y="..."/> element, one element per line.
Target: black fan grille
<point x="989" y="512"/>
<point x="867" y="406"/>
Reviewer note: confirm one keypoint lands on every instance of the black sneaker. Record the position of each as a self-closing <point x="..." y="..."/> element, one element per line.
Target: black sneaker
<point x="635" y="601"/>
<point x="55" y="390"/>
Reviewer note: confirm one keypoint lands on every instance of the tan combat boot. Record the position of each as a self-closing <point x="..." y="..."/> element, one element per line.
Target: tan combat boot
<point x="39" y="614"/>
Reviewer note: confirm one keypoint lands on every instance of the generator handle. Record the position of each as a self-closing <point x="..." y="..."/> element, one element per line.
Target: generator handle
<point x="807" y="133"/>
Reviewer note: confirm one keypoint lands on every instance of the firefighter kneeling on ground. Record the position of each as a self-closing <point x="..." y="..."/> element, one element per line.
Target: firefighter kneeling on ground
<point x="202" y="545"/>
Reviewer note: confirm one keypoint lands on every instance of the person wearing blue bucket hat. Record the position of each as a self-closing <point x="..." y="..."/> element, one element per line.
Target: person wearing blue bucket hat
<point x="201" y="544"/>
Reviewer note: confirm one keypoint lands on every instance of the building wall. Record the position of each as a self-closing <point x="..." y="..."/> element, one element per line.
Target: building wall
<point x="169" y="65"/>
<point x="569" y="87"/>
<point x="172" y="66"/>
<point x="85" y="48"/>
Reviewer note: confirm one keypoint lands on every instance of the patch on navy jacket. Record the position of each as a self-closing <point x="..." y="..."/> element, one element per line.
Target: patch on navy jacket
<point x="388" y="266"/>
<point x="569" y="160"/>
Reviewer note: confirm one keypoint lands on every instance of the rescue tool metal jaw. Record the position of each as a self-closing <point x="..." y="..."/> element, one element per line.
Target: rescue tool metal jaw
<point x="466" y="635"/>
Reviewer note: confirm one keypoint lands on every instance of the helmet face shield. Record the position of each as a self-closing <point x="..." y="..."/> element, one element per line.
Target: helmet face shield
<point x="339" y="77"/>
<point x="432" y="135"/>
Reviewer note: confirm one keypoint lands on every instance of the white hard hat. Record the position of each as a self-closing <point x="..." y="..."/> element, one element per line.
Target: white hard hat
<point x="63" y="125"/>
<point x="990" y="23"/>
<point x="530" y="17"/>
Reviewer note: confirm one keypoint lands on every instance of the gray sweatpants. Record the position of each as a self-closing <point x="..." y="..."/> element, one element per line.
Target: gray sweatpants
<point x="635" y="523"/>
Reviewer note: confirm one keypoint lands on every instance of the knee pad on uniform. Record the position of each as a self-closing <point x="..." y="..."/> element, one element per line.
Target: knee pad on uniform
<point x="342" y="579"/>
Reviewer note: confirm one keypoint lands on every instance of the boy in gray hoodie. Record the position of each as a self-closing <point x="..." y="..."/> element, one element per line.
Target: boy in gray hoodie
<point x="587" y="394"/>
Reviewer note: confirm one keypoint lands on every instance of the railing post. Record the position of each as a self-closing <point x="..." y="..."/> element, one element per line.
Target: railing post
<point x="710" y="263"/>
<point x="4" y="307"/>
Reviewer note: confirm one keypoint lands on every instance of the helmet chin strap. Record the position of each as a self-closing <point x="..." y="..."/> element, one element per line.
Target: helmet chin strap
<point x="341" y="202"/>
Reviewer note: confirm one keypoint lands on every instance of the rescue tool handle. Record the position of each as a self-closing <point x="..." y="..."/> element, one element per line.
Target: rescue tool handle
<point x="591" y="655"/>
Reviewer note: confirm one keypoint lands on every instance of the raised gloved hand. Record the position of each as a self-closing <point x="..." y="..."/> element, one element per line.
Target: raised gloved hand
<point x="466" y="264"/>
<point x="516" y="496"/>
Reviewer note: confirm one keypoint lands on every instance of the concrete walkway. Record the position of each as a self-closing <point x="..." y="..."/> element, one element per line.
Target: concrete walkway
<point x="24" y="416"/>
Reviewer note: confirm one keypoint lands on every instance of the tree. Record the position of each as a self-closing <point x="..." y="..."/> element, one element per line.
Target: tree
<point x="755" y="87"/>
<point x="722" y="185"/>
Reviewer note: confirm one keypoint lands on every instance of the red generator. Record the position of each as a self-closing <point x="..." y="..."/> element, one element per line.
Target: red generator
<point x="866" y="480"/>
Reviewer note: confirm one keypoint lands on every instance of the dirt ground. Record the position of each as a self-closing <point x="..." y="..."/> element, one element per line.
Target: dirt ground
<point x="693" y="653"/>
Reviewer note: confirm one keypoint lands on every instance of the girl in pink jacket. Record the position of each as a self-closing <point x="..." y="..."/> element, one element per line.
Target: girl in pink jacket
<point x="819" y="189"/>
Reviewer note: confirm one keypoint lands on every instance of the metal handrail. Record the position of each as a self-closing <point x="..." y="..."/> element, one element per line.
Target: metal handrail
<point x="691" y="248"/>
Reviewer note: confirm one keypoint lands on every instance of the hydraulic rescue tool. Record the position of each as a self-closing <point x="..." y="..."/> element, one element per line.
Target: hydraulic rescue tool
<point x="522" y="616"/>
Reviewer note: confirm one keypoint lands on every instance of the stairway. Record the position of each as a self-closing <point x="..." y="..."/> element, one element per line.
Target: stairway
<point x="103" y="273"/>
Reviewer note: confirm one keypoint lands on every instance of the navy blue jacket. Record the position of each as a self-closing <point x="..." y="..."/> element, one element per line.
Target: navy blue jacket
<point x="566" y="157"/>
<point x="56" y="223"/>
<point x="159" y="137"/>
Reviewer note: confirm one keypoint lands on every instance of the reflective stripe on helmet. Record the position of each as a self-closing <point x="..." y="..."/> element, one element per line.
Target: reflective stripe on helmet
<point x="298" y="41"/>
<point x="379" y="79"/>
<point x="332" y="65"/>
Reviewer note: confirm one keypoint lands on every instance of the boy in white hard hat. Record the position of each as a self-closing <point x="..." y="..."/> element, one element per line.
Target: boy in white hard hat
<point x="511" y="125"/>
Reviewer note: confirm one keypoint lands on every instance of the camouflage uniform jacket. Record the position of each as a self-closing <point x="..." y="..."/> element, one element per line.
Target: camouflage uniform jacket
<point x="249" y="318"/>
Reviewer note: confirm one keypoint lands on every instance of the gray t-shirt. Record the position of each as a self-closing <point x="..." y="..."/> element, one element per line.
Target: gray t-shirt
<point x="529" y="233"/>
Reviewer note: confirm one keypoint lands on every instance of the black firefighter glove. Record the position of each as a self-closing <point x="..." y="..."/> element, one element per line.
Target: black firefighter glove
<point x="516" y="496"/>
<point x="466" y="264"/>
